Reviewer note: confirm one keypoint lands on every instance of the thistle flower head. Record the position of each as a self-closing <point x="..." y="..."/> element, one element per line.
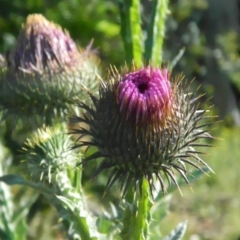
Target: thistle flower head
<point x="46" y="71"/>
<point x="143" y="126"/>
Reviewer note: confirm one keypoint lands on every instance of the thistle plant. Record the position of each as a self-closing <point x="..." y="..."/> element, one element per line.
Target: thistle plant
<point x="45" y="73"/>
<point x="139" y="127"/>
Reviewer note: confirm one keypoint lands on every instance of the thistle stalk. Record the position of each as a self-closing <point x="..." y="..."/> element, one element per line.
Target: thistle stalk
<point x="131" y="30"/>
<point x="156" y="32"/>
<point x="142" y="215"/>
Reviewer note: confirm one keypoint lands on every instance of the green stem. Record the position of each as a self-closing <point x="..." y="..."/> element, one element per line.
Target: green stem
<point x="131" y="30"/>
<point x="156" y="31"/>
<point x="137" y="215"/>
<point x="142" y="214"/>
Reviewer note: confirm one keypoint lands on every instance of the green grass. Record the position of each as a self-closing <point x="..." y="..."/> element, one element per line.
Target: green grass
<point x="213" y="209"/>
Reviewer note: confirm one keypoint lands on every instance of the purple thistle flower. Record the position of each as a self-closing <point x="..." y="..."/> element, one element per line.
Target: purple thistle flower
<point x="143" y="126"/>
<point x="145" y="95"/>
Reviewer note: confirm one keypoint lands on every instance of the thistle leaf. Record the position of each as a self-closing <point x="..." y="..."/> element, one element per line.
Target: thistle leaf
<point x="12" y="179"/>
<point x="13" y="221"/>
<point x="158" y="212"/>
<point x="125" y="233"/>
<point x="75" y="212"/>
<point x="4" y="235"/>
<point x="178" y="232"/>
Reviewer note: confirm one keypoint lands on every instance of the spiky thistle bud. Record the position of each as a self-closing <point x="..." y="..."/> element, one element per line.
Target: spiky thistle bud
<point x="144" y="126"/>
<point x="46" y="70"/>
<point x="46" y="156"/>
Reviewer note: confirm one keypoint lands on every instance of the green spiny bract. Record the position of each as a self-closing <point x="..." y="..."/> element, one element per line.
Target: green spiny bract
<point x="45" y="72"/>
<point x="144" y="126"/>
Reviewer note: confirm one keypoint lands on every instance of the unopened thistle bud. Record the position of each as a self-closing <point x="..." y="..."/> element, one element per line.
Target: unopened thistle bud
<point x="144" y="126"/>
<point x="43" y="46"/>
<point x="46" y="70"/>
<point x="46" y="155"/>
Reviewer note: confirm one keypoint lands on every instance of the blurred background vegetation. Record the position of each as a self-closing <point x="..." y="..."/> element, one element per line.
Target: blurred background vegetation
<point x="204" y="35"/>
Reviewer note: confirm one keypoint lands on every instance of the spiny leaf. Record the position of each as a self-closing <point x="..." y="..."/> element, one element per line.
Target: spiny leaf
<point x="178" y="232"/>
<point x="12" y="179"/>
